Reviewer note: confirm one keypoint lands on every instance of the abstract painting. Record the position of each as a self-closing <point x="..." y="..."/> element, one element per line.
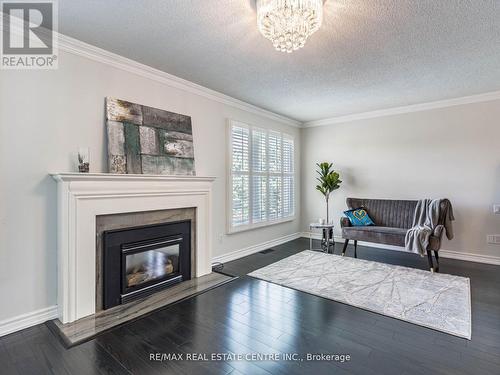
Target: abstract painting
<point x="146" y="140"/>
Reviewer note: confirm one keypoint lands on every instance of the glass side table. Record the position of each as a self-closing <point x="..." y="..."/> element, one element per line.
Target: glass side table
<point x="327" y="241"/>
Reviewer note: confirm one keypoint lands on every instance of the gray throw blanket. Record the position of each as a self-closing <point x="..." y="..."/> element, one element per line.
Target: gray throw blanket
<point x="431" y="216"/>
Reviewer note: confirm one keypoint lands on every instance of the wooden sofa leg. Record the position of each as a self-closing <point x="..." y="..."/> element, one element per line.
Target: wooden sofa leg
<point x="437" y="261"/>
<point x="355" y="248"/>
<point x="429" y="257"/>
<point x="345" y="246"/>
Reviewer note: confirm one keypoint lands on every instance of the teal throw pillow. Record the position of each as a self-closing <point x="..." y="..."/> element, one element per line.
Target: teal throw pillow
<point x="359" y="217"/>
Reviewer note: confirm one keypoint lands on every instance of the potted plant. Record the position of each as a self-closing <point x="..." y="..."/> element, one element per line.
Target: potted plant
<point x="328" y="181"/>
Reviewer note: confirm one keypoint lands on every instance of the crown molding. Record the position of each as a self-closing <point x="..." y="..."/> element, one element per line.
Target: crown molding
<point x="489" y="96"/>
<point x="79" y="48"/>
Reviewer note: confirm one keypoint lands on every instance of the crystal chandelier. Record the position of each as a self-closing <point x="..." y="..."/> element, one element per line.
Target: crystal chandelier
<point x="288" y="23"/>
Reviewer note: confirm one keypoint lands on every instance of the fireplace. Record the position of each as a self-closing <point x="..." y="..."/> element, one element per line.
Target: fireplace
<point x="139" y="261"/>
<point x="91" y="203"/>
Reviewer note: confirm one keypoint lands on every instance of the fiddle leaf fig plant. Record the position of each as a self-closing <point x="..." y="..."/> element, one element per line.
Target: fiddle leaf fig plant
<point x="328" y="181"/>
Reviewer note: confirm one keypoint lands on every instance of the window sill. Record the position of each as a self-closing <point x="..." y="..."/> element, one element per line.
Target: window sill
<point x="245" y="228"/>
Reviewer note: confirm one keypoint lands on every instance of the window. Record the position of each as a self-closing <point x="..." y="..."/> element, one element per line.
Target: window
<point x="261" y="178"/>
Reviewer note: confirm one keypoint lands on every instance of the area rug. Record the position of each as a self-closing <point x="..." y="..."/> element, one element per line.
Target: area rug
<point x="433" y="300"/>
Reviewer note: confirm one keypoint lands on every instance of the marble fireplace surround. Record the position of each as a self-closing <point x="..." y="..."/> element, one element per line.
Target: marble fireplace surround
<point x="84" y="197"/>
<point x="135" y="219"/>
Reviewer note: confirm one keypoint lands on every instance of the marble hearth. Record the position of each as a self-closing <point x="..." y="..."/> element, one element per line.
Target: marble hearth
<point x="87" y="203"/>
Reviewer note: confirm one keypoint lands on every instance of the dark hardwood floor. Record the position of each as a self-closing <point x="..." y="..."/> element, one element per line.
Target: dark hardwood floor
<point x="253" y="316"/>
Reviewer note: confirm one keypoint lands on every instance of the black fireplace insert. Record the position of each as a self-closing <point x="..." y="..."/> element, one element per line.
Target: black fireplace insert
<point x="139" y="261"/>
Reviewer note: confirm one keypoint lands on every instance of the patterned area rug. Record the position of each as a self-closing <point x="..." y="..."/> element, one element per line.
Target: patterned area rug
<point x="433" y="300"/>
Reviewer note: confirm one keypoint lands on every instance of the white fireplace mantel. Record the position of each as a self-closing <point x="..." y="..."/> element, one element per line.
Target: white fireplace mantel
<point x="82" y="197"/>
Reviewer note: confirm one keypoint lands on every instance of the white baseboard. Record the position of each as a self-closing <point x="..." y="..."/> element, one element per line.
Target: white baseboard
<point x="255" y="248"/>
<point x="27" y="320"/>
<point x="469" y="257"/>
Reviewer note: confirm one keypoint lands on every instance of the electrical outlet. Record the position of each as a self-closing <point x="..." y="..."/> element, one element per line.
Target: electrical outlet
<point x="493" y="239"/>
<point x="496" y="209"/>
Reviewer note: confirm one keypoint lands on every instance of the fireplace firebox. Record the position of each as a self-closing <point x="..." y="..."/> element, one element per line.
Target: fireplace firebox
<point x="139" y="261"/>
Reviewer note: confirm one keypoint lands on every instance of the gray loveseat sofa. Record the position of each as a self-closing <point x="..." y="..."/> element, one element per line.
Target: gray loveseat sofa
<point x="392" y="220"/>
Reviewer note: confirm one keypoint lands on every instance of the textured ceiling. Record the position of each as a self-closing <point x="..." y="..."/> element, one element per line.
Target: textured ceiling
<point x="369" y="54"/>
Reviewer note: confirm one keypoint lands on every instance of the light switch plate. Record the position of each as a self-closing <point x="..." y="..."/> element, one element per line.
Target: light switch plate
<point x="493" y="239"/>
<point x="496" y="209"/>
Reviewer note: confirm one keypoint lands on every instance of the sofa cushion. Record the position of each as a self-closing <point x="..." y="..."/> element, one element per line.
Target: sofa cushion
<point x="377" y="234"/>
<point x="359" y="217"/>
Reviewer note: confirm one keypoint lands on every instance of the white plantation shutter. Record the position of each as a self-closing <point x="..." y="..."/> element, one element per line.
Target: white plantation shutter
<point x="259" y="171"/>
<point x="274" y="147"/>
<point x="259" y="150"/>
<point x="241" y="201"/>
<point x="288" y="196"/>
<point x="262" y="182"/>
<point x="275" y="201"/>
<point x="240" y="145"/>
<point x="259" y="199"/>
<point x="288" y="180"/>
<point x="288" y="154"/>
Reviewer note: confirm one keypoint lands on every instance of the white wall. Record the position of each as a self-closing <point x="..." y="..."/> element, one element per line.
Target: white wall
<point x="452" y="152"/>
<point x="44" y="117"/>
